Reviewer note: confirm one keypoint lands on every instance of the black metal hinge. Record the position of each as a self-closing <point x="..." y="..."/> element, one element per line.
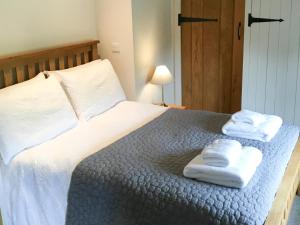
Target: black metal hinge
<point x="252" y="20"/>
<point x="182" y="20"/>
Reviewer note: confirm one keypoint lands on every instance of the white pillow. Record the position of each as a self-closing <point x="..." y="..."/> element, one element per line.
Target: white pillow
<point x="93" y="88"/>
<point x="31" y="113"/>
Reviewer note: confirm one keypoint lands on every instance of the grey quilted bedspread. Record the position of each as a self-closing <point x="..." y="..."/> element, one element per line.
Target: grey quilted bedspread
<point x="138" y="180"/>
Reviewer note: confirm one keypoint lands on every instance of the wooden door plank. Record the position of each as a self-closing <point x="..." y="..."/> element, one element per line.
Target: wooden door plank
<point x="254" y="49"/>
<point x="262" y="57"/>
<point x="186" y="49"/>
<point x="207" y="56"/>
<point x="282" y="65"/>
<point x="247" y="57"/>
<point x="272" y="59"/>
<point x="276" y="57"/>
<point x="237" y="57"/>
<point x="211" y="48"/>
<point x="297" y="105"/>
<point x="226" y="55"/>
<point x="293" y="59"/>
<point x="197" y="75"/>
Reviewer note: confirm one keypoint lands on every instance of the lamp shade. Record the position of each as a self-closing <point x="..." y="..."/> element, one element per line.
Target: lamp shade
<point x="162" y="75"/>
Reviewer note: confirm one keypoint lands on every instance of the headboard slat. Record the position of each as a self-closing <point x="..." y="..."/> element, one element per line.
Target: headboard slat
<point x="52" y="64"/>
<point x="8" y="77"/>
<point x="2" y="85"/>
<point x="78" y="59"/>
<point x="20" y="74"/>
<point x="18" y="68"/>
<point x="95" y="52"/>
<point x="62" y="62"/>
<point x="42" y="66"/>
<point x="70" y="61"/>
<point x="31" y="70"/>
<point x="86" y="56"/>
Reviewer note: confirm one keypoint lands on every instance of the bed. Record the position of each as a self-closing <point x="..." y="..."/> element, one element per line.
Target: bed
<point x="44" y="170"/>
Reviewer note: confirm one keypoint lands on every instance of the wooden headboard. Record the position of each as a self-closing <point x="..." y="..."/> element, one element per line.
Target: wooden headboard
<point x="18" y="68"/>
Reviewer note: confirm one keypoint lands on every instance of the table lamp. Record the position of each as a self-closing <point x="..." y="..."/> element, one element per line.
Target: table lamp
<point x="162" y="76"/>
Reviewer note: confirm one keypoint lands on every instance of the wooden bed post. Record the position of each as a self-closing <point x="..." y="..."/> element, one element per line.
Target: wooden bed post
<point x="95" y="54"/>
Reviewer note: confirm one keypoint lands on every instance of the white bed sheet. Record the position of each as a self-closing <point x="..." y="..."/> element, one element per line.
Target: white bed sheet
<point x="34" y="187"/>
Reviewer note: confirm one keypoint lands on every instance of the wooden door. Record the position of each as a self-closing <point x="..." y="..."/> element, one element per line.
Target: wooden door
<point x="271" y="77"/>
<point x="212" y="55"/>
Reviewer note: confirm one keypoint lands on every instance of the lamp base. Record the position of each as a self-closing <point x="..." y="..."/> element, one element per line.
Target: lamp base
<point x="163" y="104"/>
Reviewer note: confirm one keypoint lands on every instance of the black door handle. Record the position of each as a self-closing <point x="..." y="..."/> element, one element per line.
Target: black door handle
<point x="239" y="31"/>
<point x="252" y="20"/>
<point x="182" y="20"/>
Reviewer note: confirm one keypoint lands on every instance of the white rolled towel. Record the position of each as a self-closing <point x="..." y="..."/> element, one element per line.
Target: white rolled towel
<point x="265" y="132"/>
<point x="237" y="175"/>
<point x="250" y="117"/>
<point x="222" y="152"/>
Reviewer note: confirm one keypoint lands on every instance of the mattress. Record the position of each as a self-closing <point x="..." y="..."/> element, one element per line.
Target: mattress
<point x="34" y="187"/>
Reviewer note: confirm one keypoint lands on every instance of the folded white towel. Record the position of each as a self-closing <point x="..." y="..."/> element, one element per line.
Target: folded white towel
<point x="250" y="117"/>
<point x="237" y="175"/>
<point x="265" y="132"/>
<point x="222" y="152"/>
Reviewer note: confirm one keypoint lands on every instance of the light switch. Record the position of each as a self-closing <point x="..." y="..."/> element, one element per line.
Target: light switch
<point x="115" y="47"/>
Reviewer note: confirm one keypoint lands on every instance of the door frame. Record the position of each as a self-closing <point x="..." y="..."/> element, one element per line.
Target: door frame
<point x="176" y="43"/>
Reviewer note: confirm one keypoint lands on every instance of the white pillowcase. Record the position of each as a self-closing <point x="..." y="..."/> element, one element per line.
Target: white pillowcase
<point x="93" y="88"/>
<point x="31" y="113"/>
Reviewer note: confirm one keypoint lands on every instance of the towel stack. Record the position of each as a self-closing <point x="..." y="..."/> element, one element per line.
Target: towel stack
<point x="253" y="125"/>
<point x="226" y="163"/>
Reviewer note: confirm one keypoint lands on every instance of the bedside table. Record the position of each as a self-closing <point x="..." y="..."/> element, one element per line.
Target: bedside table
<point x="173" y="106"/>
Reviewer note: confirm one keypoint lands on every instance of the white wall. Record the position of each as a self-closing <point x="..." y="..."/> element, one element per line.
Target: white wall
<point x="33" y="24"/>
<point x="143" y="31"/>
<point x="271" y="79"/>
<point x="152" y="46"/>
<point x="114" y="25"/>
